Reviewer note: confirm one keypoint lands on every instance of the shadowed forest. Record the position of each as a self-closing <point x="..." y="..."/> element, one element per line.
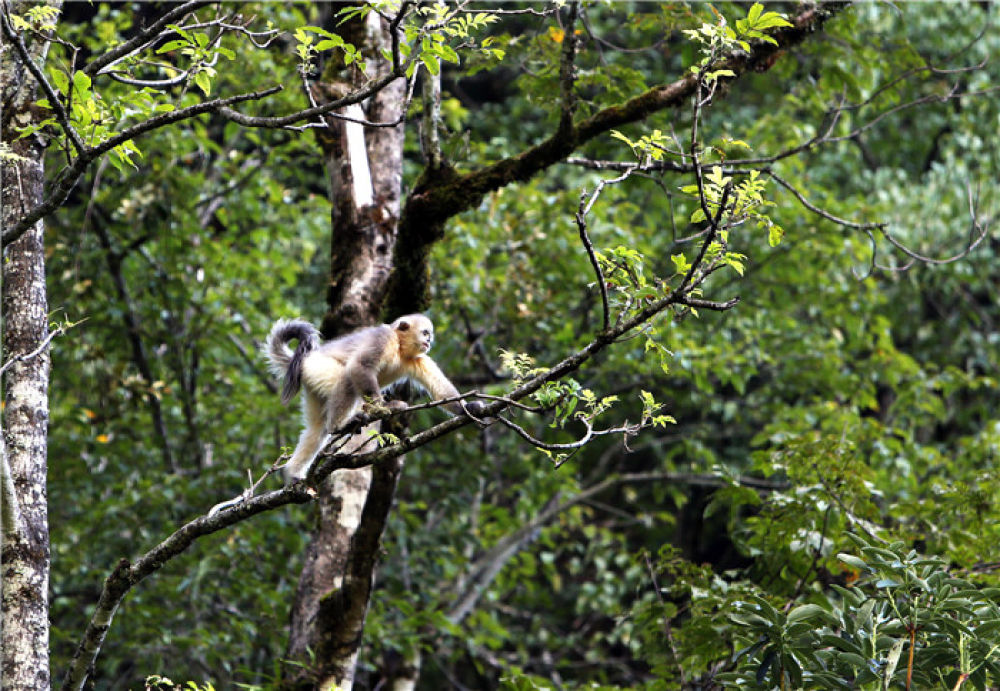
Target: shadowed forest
<point x="718" y="283"/>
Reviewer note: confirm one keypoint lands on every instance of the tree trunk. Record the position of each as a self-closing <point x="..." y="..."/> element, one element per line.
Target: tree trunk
<point x="24" y="548"/>
<point x="365" y="185"/>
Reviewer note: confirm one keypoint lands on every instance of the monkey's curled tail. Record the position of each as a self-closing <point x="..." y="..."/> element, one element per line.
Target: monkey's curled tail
<point x="285" y="363"/>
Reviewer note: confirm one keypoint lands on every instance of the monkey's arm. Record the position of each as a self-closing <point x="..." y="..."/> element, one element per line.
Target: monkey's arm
<point x="426" y="371"/>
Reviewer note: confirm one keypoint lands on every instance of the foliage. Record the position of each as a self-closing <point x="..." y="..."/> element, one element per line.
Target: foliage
<point x="826" y="500"/>
<point x="904" y="602"/>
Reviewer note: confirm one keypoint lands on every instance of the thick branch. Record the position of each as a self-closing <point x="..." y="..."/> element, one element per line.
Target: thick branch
<point x="126" y="574"/>
<point x="435" y="204"/>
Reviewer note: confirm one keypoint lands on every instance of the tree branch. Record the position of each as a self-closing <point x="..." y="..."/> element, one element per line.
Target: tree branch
<point x="141" y="39"/>
<point x="126" y="574"/>
<point x="37" y="351"/>
<point x="50" y="93"/>
<point x="70" y="175"/>
<point x="435" y="204"/>
<point x="581" y="223"/>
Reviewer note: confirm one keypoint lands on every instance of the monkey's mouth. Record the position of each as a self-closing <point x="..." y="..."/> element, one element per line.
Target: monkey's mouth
<point x="425" y="347"/>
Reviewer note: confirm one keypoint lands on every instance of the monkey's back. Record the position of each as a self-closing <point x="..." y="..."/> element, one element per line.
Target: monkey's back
<point x="324" y="367"/>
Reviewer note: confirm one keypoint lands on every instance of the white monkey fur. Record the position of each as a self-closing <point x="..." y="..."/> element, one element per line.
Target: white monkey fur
<point x="337" y="376"/>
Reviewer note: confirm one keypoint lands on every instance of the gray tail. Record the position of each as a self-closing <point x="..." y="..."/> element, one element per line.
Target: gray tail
<point x="285" y="363"/>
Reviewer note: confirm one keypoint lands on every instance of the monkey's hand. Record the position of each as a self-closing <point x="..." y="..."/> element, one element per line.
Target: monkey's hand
<point x="373" y="408"/>
<point x="476" y="410"/>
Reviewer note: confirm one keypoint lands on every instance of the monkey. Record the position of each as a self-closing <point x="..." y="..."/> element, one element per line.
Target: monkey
<point x="339" y="375"/>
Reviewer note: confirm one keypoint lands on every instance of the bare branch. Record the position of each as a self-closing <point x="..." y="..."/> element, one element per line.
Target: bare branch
<point x="818" y="211"/>
<point x="581" y="224"/>
<point x="572" y="446"/>
<point x="34" y="353"/>
<point x="698" y="303"/>
<point x="152" y="83"/>
<point x="974" y="242"/>
<point x="249" y="492"/>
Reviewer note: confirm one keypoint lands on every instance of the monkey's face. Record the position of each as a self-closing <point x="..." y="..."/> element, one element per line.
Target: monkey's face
<point x="416" y="334"/>
<point x="423" y="334"/>
<point x="426" y="338"/>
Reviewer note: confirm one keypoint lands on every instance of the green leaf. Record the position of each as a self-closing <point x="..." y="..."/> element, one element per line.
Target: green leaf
<point x="853" y="561"/>
<point x="81" y="82"/>
<point x="171" y="45"/>
<point x="431" y="62"/>
<point x="771" y="20"/>
<point x="774" y="235"/>
<point x="328" y="43"/>
<point x="448" y="54"/>
<point x="803" y="612"/>
<point x="204" y="82"/>
<point x="60" y="81"/>
<point x="615" y="134"/>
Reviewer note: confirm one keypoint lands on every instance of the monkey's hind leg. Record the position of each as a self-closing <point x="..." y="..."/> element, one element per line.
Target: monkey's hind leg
<point x="310" y="441"/>
<point x="341" y="403"/>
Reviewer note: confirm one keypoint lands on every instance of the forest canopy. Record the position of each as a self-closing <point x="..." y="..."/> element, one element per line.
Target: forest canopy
<point x="722" y="276"/>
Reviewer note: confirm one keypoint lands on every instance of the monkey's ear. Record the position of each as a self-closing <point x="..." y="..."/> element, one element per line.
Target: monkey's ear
<point x="403" y="326"/>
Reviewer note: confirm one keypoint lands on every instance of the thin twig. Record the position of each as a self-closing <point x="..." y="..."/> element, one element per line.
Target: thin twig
<point x="37" y="351"/>
<point x="818" y="211"/>
<point x="70" y="175"/>
<point x="581" y="223"/>
<point x="140" y="40"/>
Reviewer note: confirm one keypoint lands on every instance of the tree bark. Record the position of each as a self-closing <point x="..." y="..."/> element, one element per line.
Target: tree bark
<point x="24" y="548"/>
<point x="365" y="171"/>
